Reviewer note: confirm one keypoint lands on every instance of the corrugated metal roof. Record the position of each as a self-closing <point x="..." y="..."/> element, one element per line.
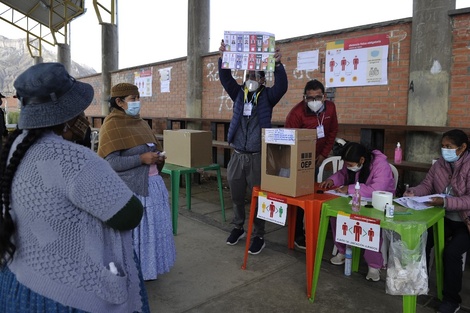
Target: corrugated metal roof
<point x="54" y="14"/>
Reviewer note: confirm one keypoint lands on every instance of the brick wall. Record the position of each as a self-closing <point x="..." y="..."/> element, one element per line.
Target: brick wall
<point x="385" y="104"/>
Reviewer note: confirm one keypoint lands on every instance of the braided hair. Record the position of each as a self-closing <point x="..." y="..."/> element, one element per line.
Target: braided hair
<point x="7" y="172"/>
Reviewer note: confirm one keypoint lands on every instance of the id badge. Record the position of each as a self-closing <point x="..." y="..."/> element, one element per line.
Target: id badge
<point x="247" y="109"/>
<point x="320" y="131"/>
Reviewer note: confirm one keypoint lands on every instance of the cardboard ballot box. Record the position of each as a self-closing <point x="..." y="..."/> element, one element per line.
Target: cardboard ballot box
<point x="188" y="147"/>
<point x="288" y="161"/>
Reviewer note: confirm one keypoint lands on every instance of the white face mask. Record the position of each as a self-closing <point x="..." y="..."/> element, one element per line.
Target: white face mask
<point x="252" y="85"/>
<point x="133" y="108"/>
<point x="315" y="106"/>
<point x="356" y="168"/>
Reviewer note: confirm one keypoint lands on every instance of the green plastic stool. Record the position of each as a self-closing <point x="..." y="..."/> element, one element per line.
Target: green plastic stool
<point x="175" y="172"/>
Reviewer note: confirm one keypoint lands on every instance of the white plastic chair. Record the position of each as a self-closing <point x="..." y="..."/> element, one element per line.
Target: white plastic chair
<point x="395" y="174"/>
<point x="336" y="164"/>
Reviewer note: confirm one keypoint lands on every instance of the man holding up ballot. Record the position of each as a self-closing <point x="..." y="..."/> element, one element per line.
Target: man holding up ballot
<point x="253" y="105"/>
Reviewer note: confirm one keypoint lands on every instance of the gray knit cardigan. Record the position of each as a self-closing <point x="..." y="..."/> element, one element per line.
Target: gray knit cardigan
<point x="62" y="194"/>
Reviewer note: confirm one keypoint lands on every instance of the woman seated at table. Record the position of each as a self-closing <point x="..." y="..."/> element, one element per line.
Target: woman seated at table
<point x="373" y="172"/>
<point x="450" y="175"/>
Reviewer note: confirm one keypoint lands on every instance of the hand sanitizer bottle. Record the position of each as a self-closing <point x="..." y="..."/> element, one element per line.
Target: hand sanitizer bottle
<point x="356" y="198"/>
<point x="348" y="261"/>
<point x="398" y="154"/>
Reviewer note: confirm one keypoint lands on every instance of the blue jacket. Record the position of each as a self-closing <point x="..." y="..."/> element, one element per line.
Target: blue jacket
<point x="267" y="99"/>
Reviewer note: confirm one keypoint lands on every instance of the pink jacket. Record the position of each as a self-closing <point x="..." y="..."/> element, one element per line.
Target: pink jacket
<point x="380" y="177"/>
<point x="440" y="176"/>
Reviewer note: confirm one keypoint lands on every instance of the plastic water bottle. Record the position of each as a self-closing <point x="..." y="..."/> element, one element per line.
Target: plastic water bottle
<point x="348" y="261"/>
<point x="398" y="154"/>
<point x="356" y="198"/>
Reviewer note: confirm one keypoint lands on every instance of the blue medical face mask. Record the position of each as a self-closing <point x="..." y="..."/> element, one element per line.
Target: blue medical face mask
<point x="450" y="155"/>
<point x="133" y="108"/>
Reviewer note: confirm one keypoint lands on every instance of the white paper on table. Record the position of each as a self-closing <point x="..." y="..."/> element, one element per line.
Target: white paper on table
<point x="334" y="192"/>
<point x="417" y="203"/>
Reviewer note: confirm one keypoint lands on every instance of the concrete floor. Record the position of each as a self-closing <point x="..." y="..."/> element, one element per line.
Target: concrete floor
<point x="207" y="276"/>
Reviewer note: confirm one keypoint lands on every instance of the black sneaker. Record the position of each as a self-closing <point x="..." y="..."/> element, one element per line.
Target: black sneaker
<point x="448" y="307"/>
<point x="235" y="235"/>
<point x="300" y="242"/>
<point x="257" y="245"/>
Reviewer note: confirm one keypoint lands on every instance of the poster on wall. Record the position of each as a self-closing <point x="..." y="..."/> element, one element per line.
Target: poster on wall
<point x="253" y="51"/>
<point x="143" y="81"/>
<point x="307" y="60"/>
<point x="357" y="62"/>
<point x="165" y="79"/>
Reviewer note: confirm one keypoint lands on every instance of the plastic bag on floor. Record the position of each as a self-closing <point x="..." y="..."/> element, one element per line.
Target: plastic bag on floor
<point x="406" y="269"/>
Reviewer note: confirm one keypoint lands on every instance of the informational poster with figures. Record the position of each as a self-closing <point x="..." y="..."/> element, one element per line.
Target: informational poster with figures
<point x="272" y="209"/>
<point x="252" y="51"/>
<point x="357" y="62"/>
<point x="357" y="230"/>
<point x="143" y="81"/>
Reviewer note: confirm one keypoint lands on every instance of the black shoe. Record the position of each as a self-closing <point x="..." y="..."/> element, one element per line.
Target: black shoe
<point x="448" y="307"/>
<point x="257" y="245"/>
<point x="235" y="235"/>
<point x="300" y="242"/>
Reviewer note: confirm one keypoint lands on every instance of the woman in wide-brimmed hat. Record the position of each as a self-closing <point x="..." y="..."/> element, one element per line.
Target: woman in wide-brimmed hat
<point x="66" y="219"/>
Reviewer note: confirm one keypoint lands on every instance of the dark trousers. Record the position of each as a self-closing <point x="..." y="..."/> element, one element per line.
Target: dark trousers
<point x="457" y="242"/>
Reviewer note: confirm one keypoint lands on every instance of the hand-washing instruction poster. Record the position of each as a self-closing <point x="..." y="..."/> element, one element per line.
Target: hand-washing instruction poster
<point x="357" y="230"/>
<point x="357" y="62"/>
<point x="143" y="81"/>
<point x="272" y="208"/>
<point x="253" y="51"/>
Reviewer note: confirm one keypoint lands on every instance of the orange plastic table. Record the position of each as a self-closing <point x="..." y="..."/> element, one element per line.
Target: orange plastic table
<point x="311" y="204"/>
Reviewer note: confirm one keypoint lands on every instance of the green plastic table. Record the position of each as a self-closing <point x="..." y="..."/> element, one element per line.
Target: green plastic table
<point x="175" y="171"/>
<point x="410" y="227"/>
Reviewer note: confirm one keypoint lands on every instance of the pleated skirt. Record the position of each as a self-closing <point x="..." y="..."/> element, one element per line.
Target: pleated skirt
<point x="153" y="238"/>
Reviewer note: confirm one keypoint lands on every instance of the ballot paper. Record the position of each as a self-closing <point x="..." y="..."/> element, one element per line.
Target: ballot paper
<point x="417" y="203"/>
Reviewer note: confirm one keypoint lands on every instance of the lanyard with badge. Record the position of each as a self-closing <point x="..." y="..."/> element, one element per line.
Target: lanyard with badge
<point x="320" y="128"/>
<point x="248" y="106"/>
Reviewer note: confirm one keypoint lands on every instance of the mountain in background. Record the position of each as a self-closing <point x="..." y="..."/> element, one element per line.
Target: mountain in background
<point x="15" y="59"/>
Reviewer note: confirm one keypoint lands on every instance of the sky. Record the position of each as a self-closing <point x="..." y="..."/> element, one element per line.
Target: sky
<point x="155" y="30"/>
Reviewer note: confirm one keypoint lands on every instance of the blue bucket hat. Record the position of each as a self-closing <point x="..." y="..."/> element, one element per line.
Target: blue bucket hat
<point x="49" y="96"/>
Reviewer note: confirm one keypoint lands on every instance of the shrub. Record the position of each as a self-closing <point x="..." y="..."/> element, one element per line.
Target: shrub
<point x="12" y="117"/>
